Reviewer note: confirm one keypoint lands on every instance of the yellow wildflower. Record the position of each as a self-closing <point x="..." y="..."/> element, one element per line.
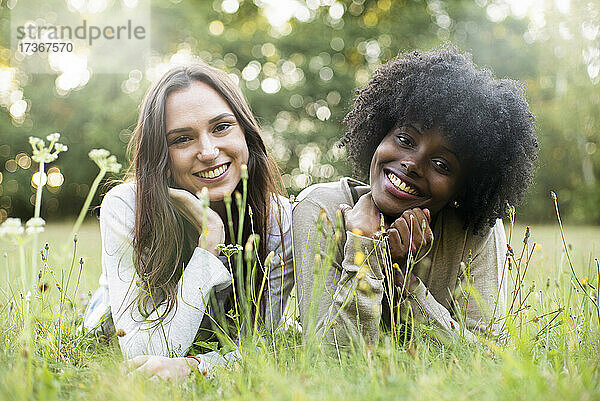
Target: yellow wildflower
<point x="359" y="258"/>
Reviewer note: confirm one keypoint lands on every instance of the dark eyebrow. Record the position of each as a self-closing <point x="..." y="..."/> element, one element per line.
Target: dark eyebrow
<point x="414" y="128"/>
<point x="447" y="149"/>
<point x="211" y="121"/>
<point x="220" y="117"/>
<point x="178" y="130"/>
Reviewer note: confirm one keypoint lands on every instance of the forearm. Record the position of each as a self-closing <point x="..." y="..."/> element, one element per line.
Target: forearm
<point x="171" y="333"/>
<point x="355" y="303"/>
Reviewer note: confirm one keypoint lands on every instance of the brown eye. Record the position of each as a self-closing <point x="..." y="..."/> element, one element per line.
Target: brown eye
<point x="222" y="127"/>
<point x="440" y="164"/>
<point x="180" y="139"/>
<point x="404" y="140"/>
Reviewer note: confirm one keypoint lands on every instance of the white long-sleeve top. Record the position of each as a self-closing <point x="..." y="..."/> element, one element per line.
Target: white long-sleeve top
<point x="205" y="275"/>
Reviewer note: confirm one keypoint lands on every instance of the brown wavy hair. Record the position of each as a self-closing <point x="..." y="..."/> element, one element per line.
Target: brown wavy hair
<point x="163" y="239"/>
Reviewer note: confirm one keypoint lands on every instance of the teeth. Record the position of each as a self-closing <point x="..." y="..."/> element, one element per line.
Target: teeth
<point x="401" y="185"/>
<point x="213" y="173"/>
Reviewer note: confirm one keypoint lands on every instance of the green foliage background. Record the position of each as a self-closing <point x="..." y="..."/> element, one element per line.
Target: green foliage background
<point x="557" y="58"/>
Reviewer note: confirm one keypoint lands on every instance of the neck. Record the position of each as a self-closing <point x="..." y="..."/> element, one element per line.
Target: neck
<point x="219" y="208"/>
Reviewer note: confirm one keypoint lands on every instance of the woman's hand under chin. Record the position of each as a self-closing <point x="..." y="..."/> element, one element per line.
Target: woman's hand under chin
<point x="191" y="208"/>
<point x="410" y="233"/>
<point x="364" y="216"/>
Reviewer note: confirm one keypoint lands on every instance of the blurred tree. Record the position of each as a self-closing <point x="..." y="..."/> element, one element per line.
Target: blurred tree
<point x="299" y="62"/>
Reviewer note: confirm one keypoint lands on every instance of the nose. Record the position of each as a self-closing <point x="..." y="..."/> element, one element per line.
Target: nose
<point x="412" y="167"/>
<point x="206" y="149"/>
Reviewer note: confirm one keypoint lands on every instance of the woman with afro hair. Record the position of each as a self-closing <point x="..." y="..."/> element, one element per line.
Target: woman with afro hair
<point x="445" y="148"/>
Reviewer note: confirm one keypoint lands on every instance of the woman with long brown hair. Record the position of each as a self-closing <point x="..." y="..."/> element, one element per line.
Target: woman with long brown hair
<point x="161" y="267"/>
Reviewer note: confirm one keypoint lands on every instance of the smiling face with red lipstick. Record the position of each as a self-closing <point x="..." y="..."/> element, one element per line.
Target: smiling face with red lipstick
<point x="415" y="167"/>
<point x="207" y="146"/>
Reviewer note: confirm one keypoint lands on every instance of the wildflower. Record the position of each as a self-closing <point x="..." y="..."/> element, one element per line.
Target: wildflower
<point x="120" y="333"/>
<point x="204" y="198"/>
<point x="357" y="231"/>
<point x="363" y="286"/>
<point x="359" y="258"/>
<point x="35" y="225"/>
<point x="269" y="259"/>
<point x="11" y="227"/>
<point x="43" y="153"/>
<point x="229" y="250"/>
<point x="322" y="215"/>
<point x="584" y="281"/>
<point x="28" y="296"/>
<point x="360" y="275"/>
<point x="53" y="137"/>
<point x="105" y="160"/>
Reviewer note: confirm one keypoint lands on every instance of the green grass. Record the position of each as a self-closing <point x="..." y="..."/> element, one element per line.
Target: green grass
<point x="561" y="363"/>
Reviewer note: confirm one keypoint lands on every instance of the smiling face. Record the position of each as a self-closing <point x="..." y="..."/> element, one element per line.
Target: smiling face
<point x="207" y="146"/>
<point x="413" y="167"/>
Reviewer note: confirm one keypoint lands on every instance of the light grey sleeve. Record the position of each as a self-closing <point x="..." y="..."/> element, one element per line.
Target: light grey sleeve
<point x="480" y="295"/>
<point x="336" y="305"/>
<point x="281" y="272"/>
<point x="176" y="332"/>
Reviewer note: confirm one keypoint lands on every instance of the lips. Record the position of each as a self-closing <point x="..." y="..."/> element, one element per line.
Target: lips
<point x="213" y="173"/>
<point x="399" y="186"/>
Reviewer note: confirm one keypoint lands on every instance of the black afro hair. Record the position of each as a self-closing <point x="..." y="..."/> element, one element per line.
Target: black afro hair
<point x="487" y="120"/>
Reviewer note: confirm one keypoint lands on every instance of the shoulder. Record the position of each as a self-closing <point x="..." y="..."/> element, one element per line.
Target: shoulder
<point x="328" y="196"/>
<point x="119" y="198"/>
<point x="453" y="233"/>
<point x="281" y="214"/>
<point x="489" y="238"/>
<point x="125" y="191"/>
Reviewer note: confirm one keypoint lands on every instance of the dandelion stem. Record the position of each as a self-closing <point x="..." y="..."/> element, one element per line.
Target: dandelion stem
<point x="87" y="202"/>
<point x="38" y="192"/>
<point x="566" y="248"/>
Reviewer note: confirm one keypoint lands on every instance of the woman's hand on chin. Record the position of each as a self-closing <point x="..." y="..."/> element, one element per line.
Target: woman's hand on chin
<point x="410" y="233"/>
<point x="364" y="216"/>
<point x="191" y="208"/>
<point x="156" y="366"/>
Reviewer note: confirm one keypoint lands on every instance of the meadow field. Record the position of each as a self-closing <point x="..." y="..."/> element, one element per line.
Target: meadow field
<point x="550" y="352"/>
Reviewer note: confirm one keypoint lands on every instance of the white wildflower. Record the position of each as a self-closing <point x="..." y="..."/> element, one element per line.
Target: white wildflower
<point x="11" y="227"/>
<point x="35" y="225"/>
<point x="35" y="141"/>
<point x="59" y="147"/>
<point x="43" y="154"/>
<point x="28" y="296"/>
<point x="105" y="160"/>
<point x="53" y="137"/>
<point x="97" y="154"/>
